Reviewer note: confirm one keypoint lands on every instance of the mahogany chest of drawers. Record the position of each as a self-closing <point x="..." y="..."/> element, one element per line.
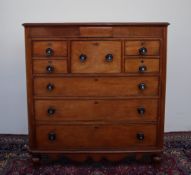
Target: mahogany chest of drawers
<point x="96" y="89"/>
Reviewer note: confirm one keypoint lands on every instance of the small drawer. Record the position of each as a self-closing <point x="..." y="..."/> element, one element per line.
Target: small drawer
<point x="92" y="110"/>
<point x="49" y="66"/>
<point x="49" y="48"/>
<point x="142" y="48"/>
<point x="97" y="136"/>
<point x="96" y="57"/>
<point x="96" y="86"/>
<point x="142" y="65"/>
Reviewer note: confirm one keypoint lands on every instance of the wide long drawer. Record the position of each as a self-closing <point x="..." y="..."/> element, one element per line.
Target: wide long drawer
<point x="96" y="86"/>
<point x="91" y="110"/>
<point x="94" y="136"/>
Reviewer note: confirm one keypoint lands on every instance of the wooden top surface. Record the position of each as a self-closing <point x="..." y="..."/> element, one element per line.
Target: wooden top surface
<point x="99" y="24"/>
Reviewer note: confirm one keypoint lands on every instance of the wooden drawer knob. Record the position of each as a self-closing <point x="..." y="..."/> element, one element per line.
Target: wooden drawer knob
<point x="141" y="110"/>
<point x="51" y="111"/>
<point x="142" y="86"/>
<point x="142" y="69"/>
<point x="140" y="136"/>
<point x="83" y="58"/>
<point x="50" y="69"/>
<point x="51" y="136"/>
<point x="49" y="52"/>
<point x="50" y="87"/>
<point x="109" y="58"/>
<point x="143" y="51"/>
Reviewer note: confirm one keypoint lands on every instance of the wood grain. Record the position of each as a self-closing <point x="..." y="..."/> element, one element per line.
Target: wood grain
<point x="59" y="48"/>
<point x="96" y="31"/>
<point x="132" y="47"/>
<point x="96" y="110"/>
<point x="94" y="136"/>
<point x="133" y="65"/>
<point x="40" y="66"/>
<point x="102" y="86"/>
<point x="96" y="52"/>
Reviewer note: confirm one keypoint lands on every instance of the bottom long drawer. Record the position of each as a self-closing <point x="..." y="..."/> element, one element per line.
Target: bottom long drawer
<point x="95" y="136"/>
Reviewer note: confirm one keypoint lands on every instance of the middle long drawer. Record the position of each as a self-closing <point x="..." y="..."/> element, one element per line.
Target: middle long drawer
<point x="96" y="86"/>
<point x="91" y="110"/>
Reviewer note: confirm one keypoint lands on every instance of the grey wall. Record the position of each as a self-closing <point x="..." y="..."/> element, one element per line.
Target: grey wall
<point x="13" y="109"/>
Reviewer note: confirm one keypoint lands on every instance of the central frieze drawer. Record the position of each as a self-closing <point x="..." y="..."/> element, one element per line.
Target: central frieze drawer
<point x="92" y="110"/>
<point x="121" y="136"/>
<point x="96" y="86"/>
<point x="96" y="57"/>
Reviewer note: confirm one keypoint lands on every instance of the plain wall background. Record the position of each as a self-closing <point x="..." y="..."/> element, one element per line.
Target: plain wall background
<point x="13" y="108"/>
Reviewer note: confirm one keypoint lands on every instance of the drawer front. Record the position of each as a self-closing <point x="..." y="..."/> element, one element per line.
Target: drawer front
<point x="142" y="48"/>
<point x="97" y="136"/>
<point x="49" y="48"/>
<point x="96" y="86"/>
<point x="96" y="57"/>
<point x="142" y="65"/>
<point x="95" y="31"/>
<point x="86" y="110"/>
<point x="49" y="66"/>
